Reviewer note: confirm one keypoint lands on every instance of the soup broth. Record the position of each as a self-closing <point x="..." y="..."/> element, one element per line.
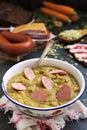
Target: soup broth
<point x="49" y="87"/>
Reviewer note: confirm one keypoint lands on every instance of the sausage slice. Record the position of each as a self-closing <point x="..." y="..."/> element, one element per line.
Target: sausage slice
<point x="18" y="86"/>
<point x="58" y="71"/>
<point x="29" y="74"/>
<point x="46" y="82"/>
<point x="39" y="95"/>
<point x="64" y="93"/>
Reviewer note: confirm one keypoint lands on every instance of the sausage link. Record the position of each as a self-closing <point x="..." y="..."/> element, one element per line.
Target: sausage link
<point x="15" y="44"/>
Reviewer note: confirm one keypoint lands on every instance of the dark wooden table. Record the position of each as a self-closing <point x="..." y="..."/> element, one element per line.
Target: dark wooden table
<point x="62" y="54"/>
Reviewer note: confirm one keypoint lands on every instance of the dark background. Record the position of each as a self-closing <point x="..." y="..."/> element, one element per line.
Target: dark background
<point x="34" y="4"/>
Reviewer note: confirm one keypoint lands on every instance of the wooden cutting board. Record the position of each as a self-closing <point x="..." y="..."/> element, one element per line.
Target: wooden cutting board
<point x="5" y="57"/>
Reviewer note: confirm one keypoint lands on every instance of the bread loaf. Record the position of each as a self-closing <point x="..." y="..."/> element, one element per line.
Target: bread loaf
<point x="13" y="15"/>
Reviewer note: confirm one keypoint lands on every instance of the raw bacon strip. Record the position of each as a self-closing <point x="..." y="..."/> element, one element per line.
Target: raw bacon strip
<point x="37" y="34"/>
<point x="18" y="86"/>
<point x="77" y="46"/>
<point x="46" y="82"/>
<point x="58" y="71"/>
<point x="79" y="51"/>
<point x="81" y="57"/>
<point x="34" y="30"/>
<point x="29" y="74"/>
<point x="39" y="95"/>
<point x="64" y="93"/>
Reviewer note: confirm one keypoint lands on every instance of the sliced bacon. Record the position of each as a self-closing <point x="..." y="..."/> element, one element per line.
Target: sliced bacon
<point x="58" y="71"/>
<point x="28" y="73"/>
<point x="39" y="95"/>
<point x="64" y="93"/>
<point x="36" y="34"/>
<point x="84" y="55"/>
<point x="18" y="86"/>
<point x="79" y="51"/>
<point x="46" y="82"/>
<point x="81" y="57"/>
<point x="77" y="46"/>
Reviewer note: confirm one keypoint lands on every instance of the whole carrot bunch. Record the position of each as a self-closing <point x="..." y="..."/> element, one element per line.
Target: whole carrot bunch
<point x="61" y="12"/>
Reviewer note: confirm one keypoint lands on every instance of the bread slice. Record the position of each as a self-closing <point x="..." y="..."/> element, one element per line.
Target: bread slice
<point x="34" y="30"/>
<point x="13" y="14"/>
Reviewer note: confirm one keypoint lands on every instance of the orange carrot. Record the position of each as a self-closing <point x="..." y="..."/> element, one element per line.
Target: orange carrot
<point x="58" y="15"/>
<point x="67" y="10"/>
<point x="74" y="18"/>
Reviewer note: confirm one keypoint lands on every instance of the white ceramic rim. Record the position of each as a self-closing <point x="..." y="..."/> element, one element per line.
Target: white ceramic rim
<point x="45" y="109"/>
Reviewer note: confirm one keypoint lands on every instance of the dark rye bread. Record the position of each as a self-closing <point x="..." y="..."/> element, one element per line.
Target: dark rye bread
<point x="13" y="15"/>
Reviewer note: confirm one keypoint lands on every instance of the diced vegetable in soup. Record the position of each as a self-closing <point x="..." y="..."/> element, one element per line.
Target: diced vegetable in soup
<point x="43" y="87"/>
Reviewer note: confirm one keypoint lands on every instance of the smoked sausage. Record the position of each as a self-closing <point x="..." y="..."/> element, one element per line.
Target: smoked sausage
<point x="14" y="43"/>
<point x="58" y="71"/>
<point x="28" y="73"/>
<point x="64" y="93"/>
<point x="18" y="86"/>
<point x="46" y="82"/>
<point x="39" y="95"/>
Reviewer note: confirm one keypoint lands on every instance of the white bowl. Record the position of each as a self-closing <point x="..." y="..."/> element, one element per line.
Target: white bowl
<point x="44" y="112"/>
